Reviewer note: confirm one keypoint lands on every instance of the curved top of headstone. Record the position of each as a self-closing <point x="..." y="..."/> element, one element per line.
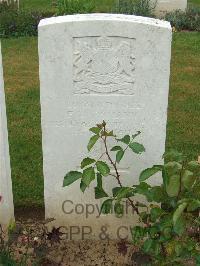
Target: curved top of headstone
<point x="105" y="17"/>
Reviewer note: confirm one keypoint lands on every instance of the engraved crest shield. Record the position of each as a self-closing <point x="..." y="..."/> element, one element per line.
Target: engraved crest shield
<point x="104" y="65"/>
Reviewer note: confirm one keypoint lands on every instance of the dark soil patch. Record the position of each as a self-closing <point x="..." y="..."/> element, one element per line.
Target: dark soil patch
<point x="25" y="213"/>
<point x="31" y="242"/>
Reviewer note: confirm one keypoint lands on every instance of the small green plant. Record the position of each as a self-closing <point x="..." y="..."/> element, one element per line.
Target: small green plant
<point x="14" y="23"/>
<point x="67" y="7"/>
<point x="188" y="20"/>
<point x="6" y="256"/>
<point x="136" y="7"/>
<point x="170" y="222"/>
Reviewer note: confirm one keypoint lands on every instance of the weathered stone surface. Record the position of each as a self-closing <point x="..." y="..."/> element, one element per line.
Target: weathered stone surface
<point x="164" y="6"/>
<point x="6" y="202"/>
<point x="95" y="67"/>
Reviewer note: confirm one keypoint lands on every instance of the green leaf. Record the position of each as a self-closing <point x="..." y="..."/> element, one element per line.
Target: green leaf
<point x="95" y="130"/>
<point x="194" y="167"/>
<point x="100" y="193"/>
<point x="173" y="186"/>
<point x="88" y="175"/>
<point x="99" y="180"/>
<point x="86" y="161"/>
<point x="126" y="139"/>
<point x="193" y="205"/>
<point x="173" y="156"/>
<point x="103" y="168"/>
<point x="142" y="189"/>
<point x="109" y="134"/>
<point x="137" y="233"/>
<point x="188" y="179"/>
<point x="148" y="245"/>
<point x="92" y="142"/>
<point x="178" y="212"/>
<point x="116" y="148"/>
<point x="123" y="192"/>
<point x="119" y="156"/>
<point x="83" y="186"/>
<point x="119" y="209"/>
<point x="156" y="248"/>
<point x="165" y="177"/>
<point x="167" y="233"/>
<point x="117" y="190"/>
<point x="71" y="177"/>
<point x="156" y="213"/>
<point x="136" y="147"/>
<point x="196" y="190"/>
<point x="182" y="200"/>
<point x="106" y="206"/>
<point x="153" y="231"/>
<point x="180" y="226"/>
<point x="149" y="172"/>
<point x="156" y="194"/>
<point x="152" y="246"/>
<point x="173" y="168"/>
<point x="178" y="249"/>
<point x="197" y="258"/>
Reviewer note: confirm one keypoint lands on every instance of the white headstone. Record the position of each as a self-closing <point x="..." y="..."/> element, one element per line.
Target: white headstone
<point x="6" y="196"/>
<point x="164" y="6"/>
<point x="92" y="68"/>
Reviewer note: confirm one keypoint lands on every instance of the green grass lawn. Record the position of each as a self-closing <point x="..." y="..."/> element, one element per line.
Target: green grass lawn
<point x="23" y="110"/>
<point x="102" y="5"/>
<point x="22" y="92"/>
<point x="194" y="2"/>
<point x="50" y="5"/>
<point x="37" y="4"/>
<point x="184" y="99"/>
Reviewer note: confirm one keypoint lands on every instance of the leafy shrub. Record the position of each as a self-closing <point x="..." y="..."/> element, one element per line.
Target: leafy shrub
<point x="5" y="6"/>
<point x="20" y="23"/>
<point x="15" y="23"/>
<point x="136" y="7"/>
<point x="66" y="7"/>
<point x="6" y="258"/>
<point x="170" y="222"/>
<point x="188" y="20"/>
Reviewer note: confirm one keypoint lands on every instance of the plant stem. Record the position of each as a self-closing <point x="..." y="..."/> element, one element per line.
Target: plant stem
<point x="116" y="170"/>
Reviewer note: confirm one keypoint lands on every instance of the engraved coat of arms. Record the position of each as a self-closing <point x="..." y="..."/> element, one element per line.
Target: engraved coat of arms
<point x="103" y="65"/>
